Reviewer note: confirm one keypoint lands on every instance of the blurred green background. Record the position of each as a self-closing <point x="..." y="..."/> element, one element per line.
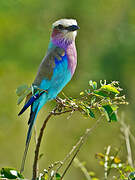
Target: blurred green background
<point x="106" y="50"/>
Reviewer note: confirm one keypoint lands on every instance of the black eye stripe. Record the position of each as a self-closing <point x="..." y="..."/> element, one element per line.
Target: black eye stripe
<point x="69" y="28"/>
<point x="60" y="27"/>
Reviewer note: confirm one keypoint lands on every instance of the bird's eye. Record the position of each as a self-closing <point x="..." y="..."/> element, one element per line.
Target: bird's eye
<point x="60" y="27"/>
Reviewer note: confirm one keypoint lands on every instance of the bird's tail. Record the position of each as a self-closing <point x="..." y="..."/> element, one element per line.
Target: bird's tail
<point x="31" y="122"/>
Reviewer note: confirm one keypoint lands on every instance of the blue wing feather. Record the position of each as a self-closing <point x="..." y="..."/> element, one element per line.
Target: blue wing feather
<point x="30" y="102"/>
<point x="61" y="76"/>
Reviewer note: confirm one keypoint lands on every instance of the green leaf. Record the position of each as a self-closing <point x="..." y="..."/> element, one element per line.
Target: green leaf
<point x="91" y="113"/>
<point x="128" y="168"/>
<point x="110" y="88"/>
<point x="93" y="100"/>
<point x="58" y="177"/>
<point x="41" y="178"/>
<point x="40" y="156"/>
<point x="114" y="107"/>
<point x="46" y="176"/>
<point x="70" y="98"/>
<point x="21" y="89"/>
<point x="131" y="176"/>
<point x="91" y="173"/>
<point x="10" y="173"/>
<point x="93" y="84"/>
<point x="24" y="95"/>
<point x="94" y="178"/>
<point x="81" y="93"/>
<point x="111" y="116"/>
<point x="100" y="93"/>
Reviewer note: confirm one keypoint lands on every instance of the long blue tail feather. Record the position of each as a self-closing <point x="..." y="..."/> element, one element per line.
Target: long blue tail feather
<point x="31" y="124"/>
<point x="35" y="107"/>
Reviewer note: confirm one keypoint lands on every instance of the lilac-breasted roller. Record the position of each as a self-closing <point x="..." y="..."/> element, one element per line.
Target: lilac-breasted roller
<point x="55" y="70"/>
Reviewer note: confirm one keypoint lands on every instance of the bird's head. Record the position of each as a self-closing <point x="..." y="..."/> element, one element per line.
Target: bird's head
<point x="65" y="29"/>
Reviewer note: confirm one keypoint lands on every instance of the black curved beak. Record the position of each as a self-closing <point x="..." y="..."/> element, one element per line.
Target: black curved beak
<point x="73" y="28"/>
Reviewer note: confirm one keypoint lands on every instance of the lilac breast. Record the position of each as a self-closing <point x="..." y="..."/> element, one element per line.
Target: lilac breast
<point x="72" y="57"/>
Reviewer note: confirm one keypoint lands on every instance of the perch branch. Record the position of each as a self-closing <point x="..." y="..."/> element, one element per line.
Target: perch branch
<point x="35" y="139"/>
<point x="52" y="113"/>
<point x="39" y="143"/>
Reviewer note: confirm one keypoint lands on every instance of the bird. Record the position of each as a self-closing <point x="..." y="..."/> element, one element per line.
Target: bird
<point x="55" y="71"/>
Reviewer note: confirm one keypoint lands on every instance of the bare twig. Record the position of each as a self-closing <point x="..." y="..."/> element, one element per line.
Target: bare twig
<point x="126" y="131"/>
<point x="128" y="146"/>
<point x="35" y="135"/>
<point x="132" y="137"/>
<point x="53" y="165"/>
<point x="68" y="166"/>
<point x="106" y="162"/>
<point x="83" y="168"/>
<point x="77" y="147"/>
<point x="35" y="139"/>
<point x="63" y="112"/>
<point x="39" y="142"/>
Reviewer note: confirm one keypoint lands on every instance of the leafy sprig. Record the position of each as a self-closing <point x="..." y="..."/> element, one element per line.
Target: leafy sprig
<point x="99" y="99"/>
<point x="104" y="99"/>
